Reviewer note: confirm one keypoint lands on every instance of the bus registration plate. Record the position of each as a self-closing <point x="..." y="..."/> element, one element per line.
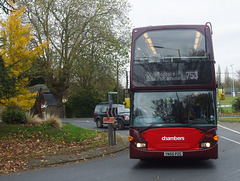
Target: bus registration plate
<point x="173" y="153"/>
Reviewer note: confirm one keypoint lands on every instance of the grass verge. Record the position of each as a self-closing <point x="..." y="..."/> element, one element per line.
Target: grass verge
<point x="21" y="143"/>
<point x="228" y="100"/>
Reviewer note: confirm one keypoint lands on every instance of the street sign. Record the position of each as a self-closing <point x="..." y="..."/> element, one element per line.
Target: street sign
<point x="108" y="120"/>
<point x="111" y="113"/>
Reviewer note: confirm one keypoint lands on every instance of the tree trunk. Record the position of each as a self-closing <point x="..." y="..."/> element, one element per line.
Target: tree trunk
<point x="58" y="87"/>
<point x="60" y="108"/>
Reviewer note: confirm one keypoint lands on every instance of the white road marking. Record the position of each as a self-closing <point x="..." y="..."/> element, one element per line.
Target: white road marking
<point x="229" y="129"/>
<point x="236" y="171"/>
<point x="230" y="140"/>
<point x="78" y="121"/>
<point x="233" y="141"/>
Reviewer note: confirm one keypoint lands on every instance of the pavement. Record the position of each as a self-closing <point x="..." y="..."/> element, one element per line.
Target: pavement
<point x="50" y="160"/>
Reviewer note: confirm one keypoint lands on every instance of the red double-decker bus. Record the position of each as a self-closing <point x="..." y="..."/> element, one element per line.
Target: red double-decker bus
<point x="173" y="93"/>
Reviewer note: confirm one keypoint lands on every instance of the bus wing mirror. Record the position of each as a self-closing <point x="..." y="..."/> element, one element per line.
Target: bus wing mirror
<point x="127" y="103"/>
<point x="221" y="94"/>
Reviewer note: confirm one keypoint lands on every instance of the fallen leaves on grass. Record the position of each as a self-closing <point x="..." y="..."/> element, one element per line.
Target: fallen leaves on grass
<point x="16" y="151"/>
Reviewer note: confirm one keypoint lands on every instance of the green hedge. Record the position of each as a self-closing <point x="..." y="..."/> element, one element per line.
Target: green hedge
<point x="236" y="104"/>
<point x="81" y="106"/>
<point x="14" y="115"/>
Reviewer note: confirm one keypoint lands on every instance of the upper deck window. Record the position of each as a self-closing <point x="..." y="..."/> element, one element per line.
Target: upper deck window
<point x="171" y="57"/>
<point x="160" y="45"/>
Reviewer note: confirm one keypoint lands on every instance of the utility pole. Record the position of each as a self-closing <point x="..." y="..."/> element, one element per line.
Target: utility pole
<point x="126" y="79"/>
<point x="233" y="90"/>
<point x="117" y="84"/>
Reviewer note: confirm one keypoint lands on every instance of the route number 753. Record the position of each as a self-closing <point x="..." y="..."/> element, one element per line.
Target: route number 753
<point x="193" y="75"/>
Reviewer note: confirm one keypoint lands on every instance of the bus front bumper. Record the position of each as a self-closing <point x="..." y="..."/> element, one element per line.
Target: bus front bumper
<point x="144" y="153"/>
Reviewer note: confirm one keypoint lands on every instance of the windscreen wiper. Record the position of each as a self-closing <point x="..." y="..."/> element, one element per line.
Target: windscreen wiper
<point x="147" y="128"/>
<point x="152" y="126"/>
<point x="171" y="126"/>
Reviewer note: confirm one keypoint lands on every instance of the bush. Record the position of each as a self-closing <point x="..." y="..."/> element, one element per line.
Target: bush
<point x="33" y="120"/>
<point x="14" y="115"/>
<point x="53" y="121"/>
<point x="81" y="105"/>
<point x="50" y="120"/>
<point x="236" y="104"/>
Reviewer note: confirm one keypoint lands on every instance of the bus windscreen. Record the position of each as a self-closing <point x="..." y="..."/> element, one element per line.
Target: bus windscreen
<point x="173" y="108"/>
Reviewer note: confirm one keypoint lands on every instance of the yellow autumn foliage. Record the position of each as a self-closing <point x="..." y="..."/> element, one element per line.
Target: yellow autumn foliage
<point x="18" y="57"/>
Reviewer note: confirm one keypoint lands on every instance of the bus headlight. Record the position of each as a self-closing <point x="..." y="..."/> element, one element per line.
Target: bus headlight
<point x="140" y="145"/>
<point x="205" y="145"/>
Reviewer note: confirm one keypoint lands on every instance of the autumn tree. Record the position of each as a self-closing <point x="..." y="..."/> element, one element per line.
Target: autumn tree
<point x="86" y="39"/>
<point x="17" y="59"/>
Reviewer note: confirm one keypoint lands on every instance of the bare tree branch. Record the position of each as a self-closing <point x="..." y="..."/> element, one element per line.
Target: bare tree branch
<point x="7" y="6"/>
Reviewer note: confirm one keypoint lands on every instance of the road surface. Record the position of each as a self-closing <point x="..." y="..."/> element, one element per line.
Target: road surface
<point x="120" y="168"/>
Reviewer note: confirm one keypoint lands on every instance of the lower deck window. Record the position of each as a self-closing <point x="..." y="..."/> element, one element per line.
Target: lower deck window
<point x="173" y="108"/>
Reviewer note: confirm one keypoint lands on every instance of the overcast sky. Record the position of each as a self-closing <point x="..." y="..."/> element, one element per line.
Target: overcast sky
<point x="223" y="14"/>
